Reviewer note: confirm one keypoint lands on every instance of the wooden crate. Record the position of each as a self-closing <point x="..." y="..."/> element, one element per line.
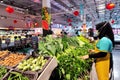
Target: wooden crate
<point x="8" y="70"/>
<point x="30" y="75"/>
<point x="26" y="56"/>
<point x="46" y="73"/>
<point x="41" y="70"/>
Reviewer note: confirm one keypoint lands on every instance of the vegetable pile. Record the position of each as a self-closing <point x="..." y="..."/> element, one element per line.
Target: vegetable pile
<point x="3" y="53"/>
<point x="32" y="64"/>
<point x="12" y="60"/>
<point x="17" y="76"/>
<point x="3" y="71"/>
<point x="68" y="51"/>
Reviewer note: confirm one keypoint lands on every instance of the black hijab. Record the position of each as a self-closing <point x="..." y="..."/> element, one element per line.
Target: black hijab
<point x="105" y="30"/>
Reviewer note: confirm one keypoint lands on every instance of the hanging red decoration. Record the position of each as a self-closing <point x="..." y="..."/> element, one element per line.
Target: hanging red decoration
<point x="37" y="1"/>
<point x="15" y="21"/>
<point x="36" y="24"/>
<point x="69" y="20"/>
<point x="112" y="21"/>
<point x="76" y="13"/>
<point x="110" y="6"/>
<point x="9" y="9"/>
<point x="45" y="25"/>
<point x="10" y="28"/>
<point x="70" y="24"/>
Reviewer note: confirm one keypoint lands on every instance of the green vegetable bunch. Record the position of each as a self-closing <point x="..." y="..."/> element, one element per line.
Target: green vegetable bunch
<point x="32" y="64"/>
<point x="17" y="76"/>
<point x="50" y="46"/>
<point x="82" y="38"/>
<point x="71" y="66"/>
<point x="3" y="71"/>
<point x="68" y="51"/>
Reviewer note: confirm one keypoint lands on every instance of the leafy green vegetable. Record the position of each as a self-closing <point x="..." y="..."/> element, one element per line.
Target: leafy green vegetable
<point x="3" y="71"/>
<point x="68" y="51"/>
<point x="16" y="76"/>
<point x="32" y="64"/>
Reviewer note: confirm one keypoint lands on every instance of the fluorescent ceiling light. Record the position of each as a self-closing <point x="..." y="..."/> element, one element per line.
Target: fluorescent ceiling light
<point x="101" y="10"/>
<point x="102" y="6"/>
<point x="97" y="0"/>
<point x="100" y="0"/>
<point x="57" y="4"/>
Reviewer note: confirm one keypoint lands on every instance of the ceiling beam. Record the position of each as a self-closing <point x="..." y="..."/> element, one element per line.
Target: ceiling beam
<point x="54" y="6"/>
<point x="73" y="3"/>
<point x="62" y="3"/>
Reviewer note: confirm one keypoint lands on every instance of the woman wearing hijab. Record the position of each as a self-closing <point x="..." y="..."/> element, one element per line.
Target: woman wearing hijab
<point x="102" y="51"/>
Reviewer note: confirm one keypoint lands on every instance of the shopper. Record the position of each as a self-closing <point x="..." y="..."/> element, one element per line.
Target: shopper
<point x="63" y="33"/>
<point x="78" y="32"/>
<point x="102" y="52"/>
<point x="90" y="34"/>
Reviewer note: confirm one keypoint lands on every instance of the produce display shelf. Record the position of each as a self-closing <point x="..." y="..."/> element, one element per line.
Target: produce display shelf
<point x="30" y="76"/>
<point x="26" y="56"/>
<point x="38" y="71"/>
<point x="46" y="73"/>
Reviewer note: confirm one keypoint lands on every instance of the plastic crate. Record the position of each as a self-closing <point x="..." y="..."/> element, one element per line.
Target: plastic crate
<point x="30" y="75"/>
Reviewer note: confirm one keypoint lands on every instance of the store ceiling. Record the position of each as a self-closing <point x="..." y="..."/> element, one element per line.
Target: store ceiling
<point x="63" y="9"/>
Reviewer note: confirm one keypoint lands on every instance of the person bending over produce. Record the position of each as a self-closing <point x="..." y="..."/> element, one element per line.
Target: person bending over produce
<point x="102" y="51"/>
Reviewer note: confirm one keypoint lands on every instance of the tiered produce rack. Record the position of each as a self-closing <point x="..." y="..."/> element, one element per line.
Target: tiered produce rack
<point x="67" y="51"/>
<point x="63" y="58"/>
<point x="39" y="74"/>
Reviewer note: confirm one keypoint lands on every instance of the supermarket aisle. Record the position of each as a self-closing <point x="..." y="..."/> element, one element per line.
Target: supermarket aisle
<point x="116" y="63"/>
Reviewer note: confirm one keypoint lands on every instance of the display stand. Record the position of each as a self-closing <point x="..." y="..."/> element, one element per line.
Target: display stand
<point x="45" y="75"/>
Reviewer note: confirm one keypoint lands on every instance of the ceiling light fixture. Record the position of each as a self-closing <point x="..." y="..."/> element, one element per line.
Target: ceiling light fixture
<point x="101" y="6"/>
<point x="1" y="1"/>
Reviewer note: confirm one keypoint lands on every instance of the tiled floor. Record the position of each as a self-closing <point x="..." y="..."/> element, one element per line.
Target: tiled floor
<point x="116" y="63"/>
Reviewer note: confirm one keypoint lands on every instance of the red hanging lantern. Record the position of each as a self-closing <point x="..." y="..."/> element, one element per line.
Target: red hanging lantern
<point x="69" y="20"/>
<point x="110" y="6"/>
<point x="15" y="21"/>
<point x="9" y="9"/>
<point x="112" y="21"/>
<point x="45" y="25"/>
<point x="76" y="13"/>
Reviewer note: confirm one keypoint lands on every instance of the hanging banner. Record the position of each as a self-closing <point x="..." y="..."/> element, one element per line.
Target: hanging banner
<point x="81" y="11"/>
<point x="28" y="22"/>
<point x="46" y="16"/>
